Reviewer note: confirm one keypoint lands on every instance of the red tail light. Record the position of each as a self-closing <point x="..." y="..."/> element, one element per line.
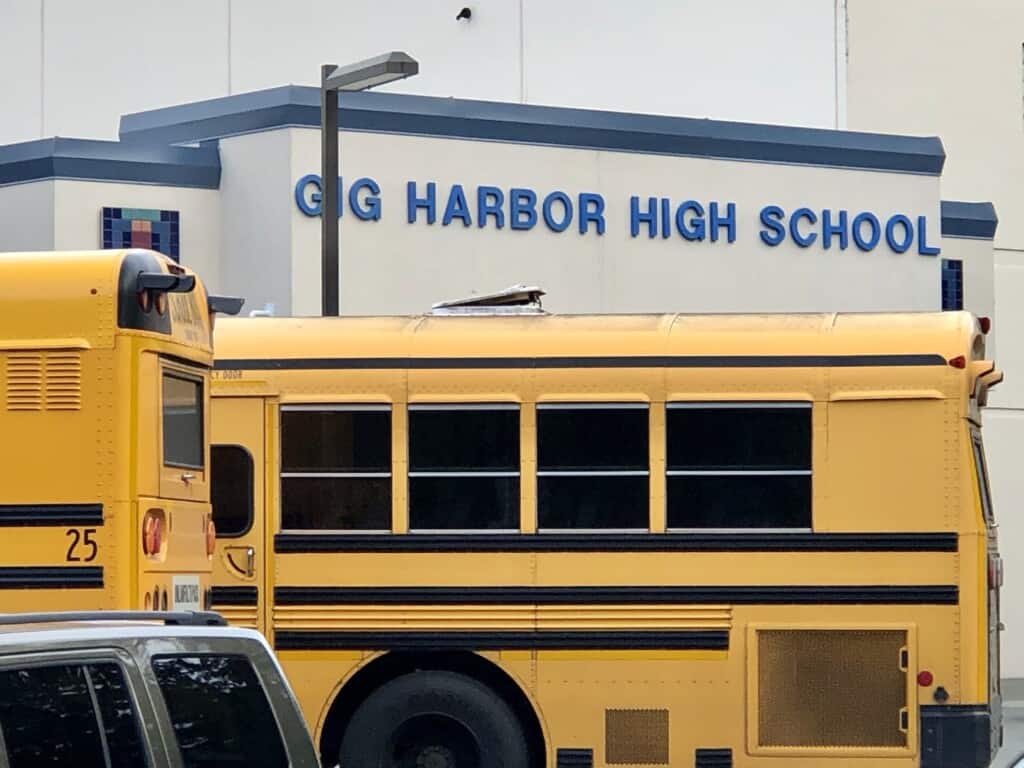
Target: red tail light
<point x="924" y="678"/>
<point x="152" y="533"/>
<point x="958" y="362"/>
<point x="995" y="572"/>
<point x="211" y="537"/>
<point x="985" y="323"/>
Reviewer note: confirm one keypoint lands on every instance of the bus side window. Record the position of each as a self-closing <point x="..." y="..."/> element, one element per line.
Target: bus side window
<point x="981" y="467"/>
<point x="738" y="465"/>
<point x="464" y="467"/>
<point x="593" y="466"/>
<point x="336" y="467"/>
<point x="231" y="490"/>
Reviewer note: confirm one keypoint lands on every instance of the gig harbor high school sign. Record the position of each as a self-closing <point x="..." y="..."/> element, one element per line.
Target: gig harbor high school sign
<point x="522" y="208"/>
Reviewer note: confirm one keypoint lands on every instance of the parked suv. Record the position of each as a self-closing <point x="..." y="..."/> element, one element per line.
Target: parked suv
<point x="113" y="690"/>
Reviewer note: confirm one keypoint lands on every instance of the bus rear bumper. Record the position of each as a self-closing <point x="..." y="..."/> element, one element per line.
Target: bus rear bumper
<point x="958" y="736"/>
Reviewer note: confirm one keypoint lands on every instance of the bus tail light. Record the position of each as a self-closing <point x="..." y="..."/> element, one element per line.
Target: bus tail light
<point x="958" y="362"/>
<point x="211" y="536"/>
<point x="995" y="572"/>
<point x="152" y="532"/>
<point x="925" y="678"/>
<point x="985" y="323"/>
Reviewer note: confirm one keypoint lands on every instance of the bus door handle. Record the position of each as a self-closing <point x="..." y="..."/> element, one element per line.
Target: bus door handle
<point x="250" y="560"/>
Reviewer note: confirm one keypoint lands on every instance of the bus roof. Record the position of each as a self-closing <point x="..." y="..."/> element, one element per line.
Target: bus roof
<point x="80" y="298"/>
<point x="945" y="334"/>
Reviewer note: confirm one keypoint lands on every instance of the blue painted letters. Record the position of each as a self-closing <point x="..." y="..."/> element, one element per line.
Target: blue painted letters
<point x="689" y="220"/>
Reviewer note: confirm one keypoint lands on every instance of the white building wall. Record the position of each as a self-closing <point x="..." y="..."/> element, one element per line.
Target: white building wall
<point x="732" y="60"/>
<point x="101" y="59"/>
<point x="392" y="266"/>
<point x="26" y="216"/>
<point x="256" y="219"/>
<point x="81" y="65"/>
<point x="78" y="210"/>
<point x="960" y="78"/>
<point x="21" y="81"/>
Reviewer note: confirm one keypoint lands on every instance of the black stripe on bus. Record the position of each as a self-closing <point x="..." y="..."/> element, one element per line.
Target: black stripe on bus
<point x="22" y="515"/>
<point x="683" y="595"/>
<point x="235" y="596"/>
<point x="638" y="361"/>
<point x="309" y="640"/>
<point x="45" y="577"/>
<point x="616" y="542"/>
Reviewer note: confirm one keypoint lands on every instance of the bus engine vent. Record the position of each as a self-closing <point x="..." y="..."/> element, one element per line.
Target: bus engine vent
<point x="44" y="380"/>
<point x="63" y="380"/>
<point x="831" y="688"/>
<point x="24" y="381"/>
<point x="636" y="736"/>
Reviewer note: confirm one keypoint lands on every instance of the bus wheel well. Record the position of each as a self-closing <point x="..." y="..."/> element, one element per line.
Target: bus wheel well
<point x="389" y="666"/>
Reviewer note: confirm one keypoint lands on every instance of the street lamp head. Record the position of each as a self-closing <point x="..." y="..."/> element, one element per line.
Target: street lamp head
<point x="370" y="73"/>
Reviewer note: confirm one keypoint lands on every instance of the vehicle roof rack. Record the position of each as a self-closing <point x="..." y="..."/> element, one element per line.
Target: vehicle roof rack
<point x="170" y="618"/>
<point x="514" y="300"/>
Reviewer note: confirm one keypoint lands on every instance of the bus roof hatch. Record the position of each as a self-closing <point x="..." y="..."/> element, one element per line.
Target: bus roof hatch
<point x="515" y="300"/>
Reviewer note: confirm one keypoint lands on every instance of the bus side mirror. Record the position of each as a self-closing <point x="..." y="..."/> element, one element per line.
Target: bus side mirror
<point x="225" y="305"/>
<point x="165" y="283"/>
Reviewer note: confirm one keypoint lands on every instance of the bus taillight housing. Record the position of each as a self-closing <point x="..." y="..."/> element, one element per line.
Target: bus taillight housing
<point x="153" y="533"/>
<point x="211" y="536"/>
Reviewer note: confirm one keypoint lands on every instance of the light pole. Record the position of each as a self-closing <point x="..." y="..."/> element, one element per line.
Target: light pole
<point x="360" y="76"/>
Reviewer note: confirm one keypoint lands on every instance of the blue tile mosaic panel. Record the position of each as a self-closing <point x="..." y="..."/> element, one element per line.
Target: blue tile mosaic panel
<point x="142" y="228"/>
<point x="952" y="284"/>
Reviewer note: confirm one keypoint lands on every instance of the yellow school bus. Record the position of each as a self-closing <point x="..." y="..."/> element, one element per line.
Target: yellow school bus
<point x="105" y="361"/>
<point x="523" y="539"/>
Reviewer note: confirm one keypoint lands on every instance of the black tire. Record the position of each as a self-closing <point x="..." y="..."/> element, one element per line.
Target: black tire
<point x="434" y="719"/>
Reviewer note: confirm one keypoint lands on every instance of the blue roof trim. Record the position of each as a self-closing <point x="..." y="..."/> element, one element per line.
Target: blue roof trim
<point x="974" y="220"/>
<point x="496" y="121"/>
<point x="128" y="162"/>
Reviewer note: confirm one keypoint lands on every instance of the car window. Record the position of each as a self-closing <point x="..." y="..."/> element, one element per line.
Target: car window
<point x="219" y="711"/>
<point x="70" y="714"/>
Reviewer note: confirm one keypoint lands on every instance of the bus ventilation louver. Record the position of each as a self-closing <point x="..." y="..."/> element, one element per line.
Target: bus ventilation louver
<point x="574" y="758"/>
<point x="636" y="736"/>
<point x="37" y="381"/>
<point x="713" y="758"/>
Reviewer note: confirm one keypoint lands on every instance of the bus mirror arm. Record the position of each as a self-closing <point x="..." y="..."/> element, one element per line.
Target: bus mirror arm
<point x="225" y="305"/>
<point x="161" y="281"/>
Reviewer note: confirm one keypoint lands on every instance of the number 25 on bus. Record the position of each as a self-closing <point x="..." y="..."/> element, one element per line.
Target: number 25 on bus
<point x="539" y="540"/>
<point x="105" y="364"/>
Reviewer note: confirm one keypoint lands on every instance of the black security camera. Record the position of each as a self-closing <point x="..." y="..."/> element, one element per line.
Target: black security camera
<point x="465" y="13"/>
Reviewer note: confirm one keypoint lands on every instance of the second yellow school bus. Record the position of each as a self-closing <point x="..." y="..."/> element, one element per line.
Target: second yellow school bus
<point x="542" y="540"/>
<point x="105" y="361"/>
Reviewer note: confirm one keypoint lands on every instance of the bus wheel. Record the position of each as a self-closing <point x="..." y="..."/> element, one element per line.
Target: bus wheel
<point x="433" y="719"/>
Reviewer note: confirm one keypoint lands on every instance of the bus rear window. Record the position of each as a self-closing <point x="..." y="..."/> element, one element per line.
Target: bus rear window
<point x="183" y="421"/>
